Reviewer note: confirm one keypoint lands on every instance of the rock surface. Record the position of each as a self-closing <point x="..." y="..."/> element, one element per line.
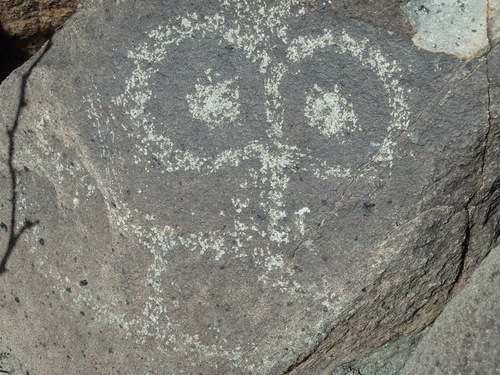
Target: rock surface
<point x="459" y="28"/>
<point x="465" y="339"/>
<point x="239" y="187"/>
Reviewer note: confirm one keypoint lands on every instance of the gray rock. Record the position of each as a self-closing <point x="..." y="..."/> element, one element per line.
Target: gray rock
<point x="386" y="360"/>
<point x="459" y="28"/>
<point x="237" y="188"/>
<point x="465" y="339"/>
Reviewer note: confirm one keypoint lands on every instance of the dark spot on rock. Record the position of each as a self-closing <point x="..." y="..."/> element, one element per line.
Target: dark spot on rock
<point x="84" y="283"/>
<point x="41" y="241"/>
<point x="494" y="275"/>
<point x="297" y="269"/>
<point x="356" y="238"/>
<point x="363" y="290"/>
<point x="324" y="202"/>
<point x="325" y="309"/>
<point x="227" y="307"/>
<point x="261" y="216"/>
<point x="17" y="299"/>
<point x="368" y="207"/>
<point x="68" y="290"/>
<point x="423" y="9"/>
<point x="110" y="350"/>
<point x="156" y="160"/>
<point x="389" y="201"/>
<point x="289" y="304"/>
<point x="4" y="226"/>
<point x="82" y="313"/>
<point x="222" y="267"/>
<point x="26" y="169"/>
<point x="206" y="235"/>
<point x="64" y="155"/>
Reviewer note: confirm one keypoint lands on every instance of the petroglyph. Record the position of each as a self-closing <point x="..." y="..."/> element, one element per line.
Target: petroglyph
<point x="329" y="111"/>
<point x="214" y="103"/>
<point x="211" y="129"/>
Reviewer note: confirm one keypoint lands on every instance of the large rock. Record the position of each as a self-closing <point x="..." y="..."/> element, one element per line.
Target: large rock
<point x="238" y="188"/>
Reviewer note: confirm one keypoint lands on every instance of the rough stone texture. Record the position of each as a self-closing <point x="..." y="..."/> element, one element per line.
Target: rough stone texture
<point x="465" y="339"/>
<point x="25" y="25"/>
<point x="458" y="27"/>
<point x="384" y="14"/>
<point x="386" y="360"/>
<point x="239" y="188"/>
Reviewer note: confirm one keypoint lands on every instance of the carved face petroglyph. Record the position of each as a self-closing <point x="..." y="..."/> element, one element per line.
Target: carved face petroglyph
<point x="248" y="132"/>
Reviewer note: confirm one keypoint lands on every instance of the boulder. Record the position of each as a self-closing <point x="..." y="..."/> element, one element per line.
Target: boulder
<point x="239" y="187"/>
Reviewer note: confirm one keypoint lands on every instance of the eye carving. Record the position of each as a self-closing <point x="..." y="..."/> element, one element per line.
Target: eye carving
<point x="215" y="103"/>
<point x="329" y="112"/>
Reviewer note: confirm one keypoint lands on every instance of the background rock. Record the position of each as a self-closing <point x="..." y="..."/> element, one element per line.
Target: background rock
<point x="240" y="188"/>
<point x="465" y="337"/>
<point x="25" y="25"/>
<point x="459" y="28"/>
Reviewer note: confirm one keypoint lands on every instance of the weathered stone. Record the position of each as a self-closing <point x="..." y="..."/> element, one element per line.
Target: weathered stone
<point x="238" y="187"/>
<point x="465" y="339"/>
<point x="459" y="27"/>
